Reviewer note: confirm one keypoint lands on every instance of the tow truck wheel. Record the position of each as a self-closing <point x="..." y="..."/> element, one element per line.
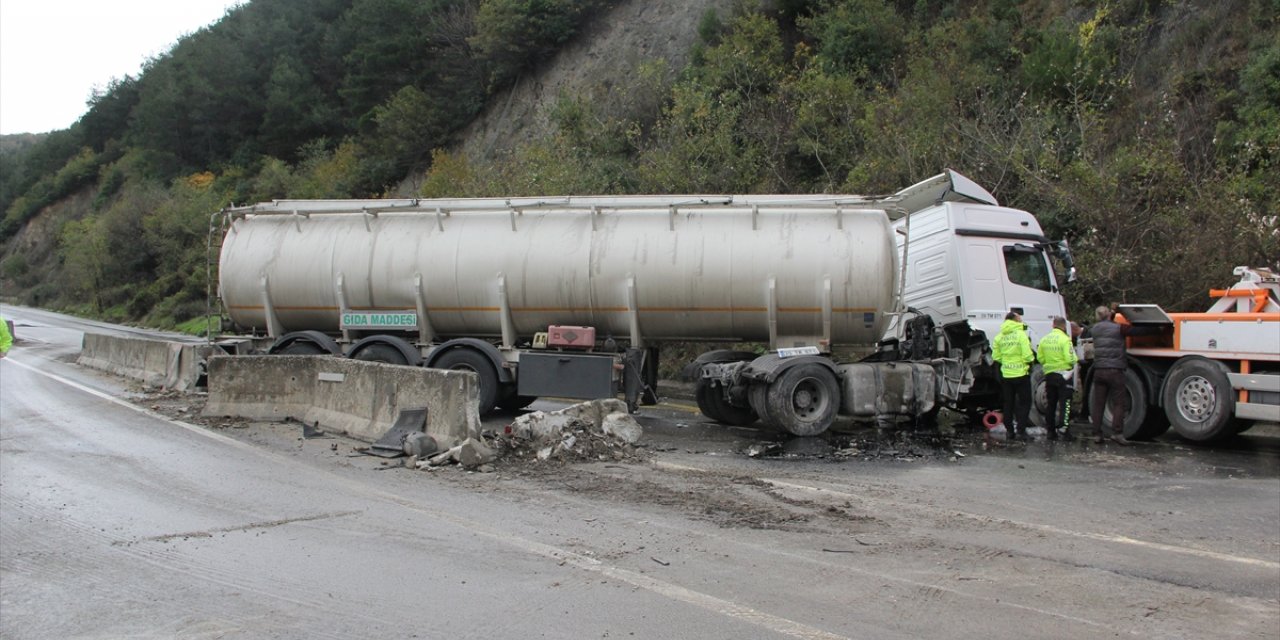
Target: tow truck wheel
<point x="1039" y="400"/>
<point x="1138" y="405"/>
<point x="713" y="404"/>
<point x="1198" y="400"/>
<point x="804" y="399"/>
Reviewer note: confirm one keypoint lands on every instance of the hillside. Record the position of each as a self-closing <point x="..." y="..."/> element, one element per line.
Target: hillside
<point x="1146" y="132"/>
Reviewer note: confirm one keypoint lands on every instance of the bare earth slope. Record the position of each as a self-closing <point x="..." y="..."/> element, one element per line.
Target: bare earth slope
<point x="601" y="64"/>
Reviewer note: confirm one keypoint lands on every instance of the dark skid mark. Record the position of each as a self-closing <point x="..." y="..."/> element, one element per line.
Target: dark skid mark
<point x="208" y="533"/>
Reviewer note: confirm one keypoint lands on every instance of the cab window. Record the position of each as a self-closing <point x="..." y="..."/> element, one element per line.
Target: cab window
<point x="1025" y="266"/>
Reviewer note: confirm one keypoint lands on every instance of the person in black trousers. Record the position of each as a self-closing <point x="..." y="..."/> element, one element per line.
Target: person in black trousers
<point x="1109" y="364"/>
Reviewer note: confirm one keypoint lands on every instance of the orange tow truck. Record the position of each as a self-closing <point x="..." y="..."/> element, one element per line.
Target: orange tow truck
<point x="1209" y="375"/>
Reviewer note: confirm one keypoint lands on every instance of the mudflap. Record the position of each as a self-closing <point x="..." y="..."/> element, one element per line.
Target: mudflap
<point x="640" y="377"/>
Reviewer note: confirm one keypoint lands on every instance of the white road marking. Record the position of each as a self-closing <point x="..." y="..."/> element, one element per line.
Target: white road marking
<point x="669" y="590"/>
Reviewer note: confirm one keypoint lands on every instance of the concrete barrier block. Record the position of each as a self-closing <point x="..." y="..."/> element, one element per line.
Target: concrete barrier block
<point x="154" y="363"/>
<point x="261" y="387"/>
<point x="360" y="399"/>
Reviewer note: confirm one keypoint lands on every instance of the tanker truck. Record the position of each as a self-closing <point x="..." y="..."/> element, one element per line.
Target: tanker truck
<point x="571" y="296"/>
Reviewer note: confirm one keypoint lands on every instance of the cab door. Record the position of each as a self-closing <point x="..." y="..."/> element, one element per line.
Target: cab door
<point x="1029" y="286"/>
<point x="1004" y="275"/>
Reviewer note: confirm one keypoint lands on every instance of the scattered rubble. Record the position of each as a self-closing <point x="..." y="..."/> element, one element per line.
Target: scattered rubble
<point x="588" y="431"/>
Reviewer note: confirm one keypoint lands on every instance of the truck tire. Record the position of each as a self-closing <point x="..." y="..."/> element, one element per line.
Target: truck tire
<point x="380" y="353"/>
<point x="714" y="405"/>
<point x="300" y="348"/>
<point x="758" y="397"/>
<point x="1199" y="401"/>
<point x="462" y="359"/>
<point x="1139" y="405"/>
<point x="388" y="349"/>
<point x="514" y="401"/>
<point x="1039" y="403"/>
<point x="305" y="343"/>
<point x="804" y="400"/>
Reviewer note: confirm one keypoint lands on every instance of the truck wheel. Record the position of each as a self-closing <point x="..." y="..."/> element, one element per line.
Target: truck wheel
<point x="804" y="399"/>
<point x="515" y="402"/>
<point x="1199" y="401"/>
<point x="1039" y="403"/>
<point x="714" y="405"/>
<point x="305" y="343"/>
<point x="461" y="359"/>
<point x="388" y="349"/>
<point x="1138" y="406"/>
<point x="300" y="348"/>
<point x="381" y="353"/>
<point x="758" y="396"/>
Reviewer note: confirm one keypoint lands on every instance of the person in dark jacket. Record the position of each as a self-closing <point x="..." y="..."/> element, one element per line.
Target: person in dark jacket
<point x="1109" y="364"/>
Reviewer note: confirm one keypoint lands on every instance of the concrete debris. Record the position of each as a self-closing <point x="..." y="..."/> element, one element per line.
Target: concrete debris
<point x="473" y="453"/>
<point x="595" y="430"/>
<point x="448" y="457"/>
<point x="543" y="425"/>
<point x="420" y="445"/>
<point x="622" y="426"/>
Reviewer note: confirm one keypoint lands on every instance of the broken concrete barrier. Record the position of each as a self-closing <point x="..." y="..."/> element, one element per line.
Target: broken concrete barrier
<point x="155" y="363"/>
<point x="355" y="397"/>
<point x="622" y="426"/>
<point x="543" y="425"/>
<point x="474" y="453"/>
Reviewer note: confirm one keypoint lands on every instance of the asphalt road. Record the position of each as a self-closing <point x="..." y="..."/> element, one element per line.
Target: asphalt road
<point x="116" y="521"/>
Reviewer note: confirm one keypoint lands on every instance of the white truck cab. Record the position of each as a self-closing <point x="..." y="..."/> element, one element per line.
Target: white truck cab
<point x="971" y="259"/>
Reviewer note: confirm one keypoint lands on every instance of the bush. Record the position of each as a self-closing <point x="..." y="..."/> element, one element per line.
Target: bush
<point x="512" y="35"/>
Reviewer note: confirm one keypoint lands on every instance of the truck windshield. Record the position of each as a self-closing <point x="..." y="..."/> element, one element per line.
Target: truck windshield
<point x="1026" y="266"/>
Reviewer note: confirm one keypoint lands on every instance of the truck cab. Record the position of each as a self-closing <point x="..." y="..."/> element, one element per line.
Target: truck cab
<point x="971" y="259"/>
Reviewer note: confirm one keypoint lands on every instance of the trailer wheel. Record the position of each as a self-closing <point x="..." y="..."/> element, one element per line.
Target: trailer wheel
<point x="305" y="343"/>
<point x="462" y="359"/>
<point x="515" y="402"/>
<point x="300" y="348"/>
<point x="1199" y="401"/>
<point x="388" y="349"/>
<point x="804" y="399"/>
<point x="714" y="405"/>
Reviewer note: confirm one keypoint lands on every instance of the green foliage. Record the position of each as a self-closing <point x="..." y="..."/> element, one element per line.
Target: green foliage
<point x="856" y="35"/>
<point x="512" y="35"/>
<point x="78" y="172"/>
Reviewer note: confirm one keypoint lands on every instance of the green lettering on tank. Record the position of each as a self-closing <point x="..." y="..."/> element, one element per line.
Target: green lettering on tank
<point x="357" y="320"/>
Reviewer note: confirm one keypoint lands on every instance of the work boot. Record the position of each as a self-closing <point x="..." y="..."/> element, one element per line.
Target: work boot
<point x="1097" y="437"/>
<point x="1052" y="433"/>
<point x="1066" y="434"/>
<point x="1120" y="439"/>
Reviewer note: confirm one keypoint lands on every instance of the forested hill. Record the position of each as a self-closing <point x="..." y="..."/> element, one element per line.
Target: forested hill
<point x="1146" y="132"/>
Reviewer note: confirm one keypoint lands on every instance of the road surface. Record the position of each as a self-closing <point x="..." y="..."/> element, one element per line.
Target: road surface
<point x="116" y="521"/>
